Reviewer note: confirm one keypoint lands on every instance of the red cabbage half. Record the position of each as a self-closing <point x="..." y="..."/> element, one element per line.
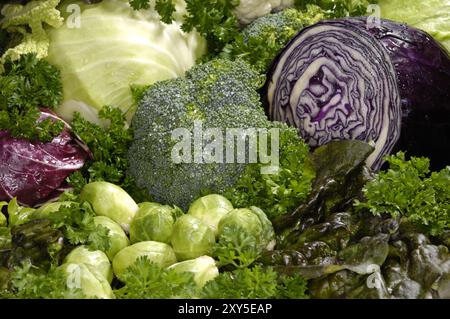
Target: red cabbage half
<point x="389" y="84"/>
<point x="35" y="172"/>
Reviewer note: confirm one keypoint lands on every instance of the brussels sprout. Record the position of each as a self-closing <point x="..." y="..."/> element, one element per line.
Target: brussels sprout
<point x="118" y="240"/>
<point x="148" y="205"/>
<point x="204" y="269"/>
<point x="152" y="222"/>
<point x="92" y="284"/>
<point x="111" y="201"/>
<point x="243" y="218"/>
<point x="210" y="209"/>
<point x="268" y="233"/>
<point x="95" y="260"/>
<point x="158" y="253"/>
<point x="191" y="238"/>
<point x="251" y="221"/>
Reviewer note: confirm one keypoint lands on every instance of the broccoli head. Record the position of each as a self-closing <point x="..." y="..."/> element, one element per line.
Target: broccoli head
<point x="259" y="43"/>
<point x="220" y="94"/>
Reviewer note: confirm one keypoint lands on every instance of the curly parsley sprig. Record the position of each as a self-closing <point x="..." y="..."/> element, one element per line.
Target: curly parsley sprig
<point x="26" y="85"/>
<point x="109" y="147"/>
<point x="213" y="19"/>
<point x="409" y="190"/>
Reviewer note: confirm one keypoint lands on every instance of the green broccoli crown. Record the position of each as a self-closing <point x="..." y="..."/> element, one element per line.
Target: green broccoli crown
<point x="221" y="94"/>
<point x="259" y="43"/>
<point x="290" y="20"/>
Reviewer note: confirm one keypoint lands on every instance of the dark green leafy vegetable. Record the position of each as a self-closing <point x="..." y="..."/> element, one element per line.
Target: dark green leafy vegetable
<point x="139" y="4"/>
<point x="166" y="9"/>
<point x="29" y="282"/>
<point x="408" y="189"/>
<point x="339" y="170"/>
<point x="280" y="193"/>
<point x="25" y="86"/>
<point x="76" y="221"/>
<point x="255" y="283"/>
<point x="245" y="283"/>
<point x="292" y="287"/>
<point x="5" y="238"/>
<point x="345" y="285"/>
<point x="146" y="280"/>
<point x="108" y="147"/>
<point x="213" y="19"/>
<point x="236" y="247"/>
<point x="36" y="242"/>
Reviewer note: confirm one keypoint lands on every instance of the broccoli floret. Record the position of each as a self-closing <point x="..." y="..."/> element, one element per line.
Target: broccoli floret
<point x="260" y="42"/>
<point x="222" y="94"/>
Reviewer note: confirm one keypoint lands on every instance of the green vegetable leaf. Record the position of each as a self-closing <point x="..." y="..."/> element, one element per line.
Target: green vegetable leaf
<point x="26" y="85"/>
<point x="166" y="9"/>
<point x="109" y="147"/>
<point x="280" y="193"/>
<point x="31" y="22"/>
<point x="431" y="16"/>
<point x="236" y="247"/>
<point x="29" y="282"/>
<point x="77" y="223"/>
<point x="140" y="4"/>
<point x="213" y="19"/>
<point x="408" y="190"/>
<point x="245" y="283"/>
<point x="146" y="280"/>
<point x="292" y="287"/>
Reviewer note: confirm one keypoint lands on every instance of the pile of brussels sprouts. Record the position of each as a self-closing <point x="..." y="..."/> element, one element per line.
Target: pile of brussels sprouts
<point x="163" y="234"/>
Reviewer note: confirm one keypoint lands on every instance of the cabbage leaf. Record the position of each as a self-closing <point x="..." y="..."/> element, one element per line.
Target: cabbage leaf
<point x="115" y="47"/>
<point x="431" y="16"/>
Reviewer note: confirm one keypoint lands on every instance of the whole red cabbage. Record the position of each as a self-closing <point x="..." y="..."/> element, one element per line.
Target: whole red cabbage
<point x="344" y="80"/>
<point x="35" y="172"/>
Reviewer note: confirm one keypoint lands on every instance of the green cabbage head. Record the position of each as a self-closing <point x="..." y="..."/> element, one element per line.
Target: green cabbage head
<point x="109" y="47"/>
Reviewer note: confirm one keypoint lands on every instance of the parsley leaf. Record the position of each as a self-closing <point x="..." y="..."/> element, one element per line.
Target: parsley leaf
<point x="255" y="283"/>
<point x="109" y="148"/>
<point x="146" y="280"/>
<point x="30" y="282"/>
<point x="292" y="287"/>
<point x="236" y="247"/>
<point x="139" y="4"/>
<point x="25" y="86"/>
<point x="408" y="190"/>
<point x="245" y="283"/>
<point x="166" y="9"/>
<point x="213" y="19"/>
<point x="77" y="224"/>
<point x="277" y="194"/>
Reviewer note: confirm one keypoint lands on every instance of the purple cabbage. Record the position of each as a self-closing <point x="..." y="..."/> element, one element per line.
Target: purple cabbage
<point x="388" y="84"/>
<point x="36" y="172"/>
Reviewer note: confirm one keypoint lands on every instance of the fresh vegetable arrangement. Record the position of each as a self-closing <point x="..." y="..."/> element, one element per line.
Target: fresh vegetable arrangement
<point x="117" y="180"/>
